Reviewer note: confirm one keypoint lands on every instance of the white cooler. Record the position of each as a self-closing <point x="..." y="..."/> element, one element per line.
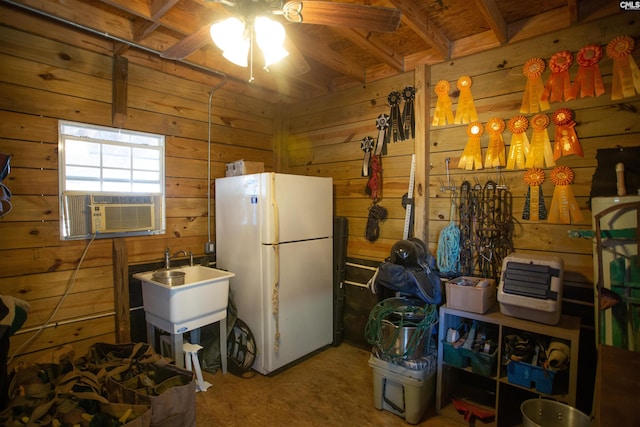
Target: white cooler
<point x="531" y="287"/>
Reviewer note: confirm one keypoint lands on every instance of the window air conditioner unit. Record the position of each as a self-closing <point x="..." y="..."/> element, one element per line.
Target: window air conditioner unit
<point x="85" y="214"/>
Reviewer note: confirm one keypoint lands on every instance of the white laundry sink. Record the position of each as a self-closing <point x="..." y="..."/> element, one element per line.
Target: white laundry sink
<point x="201" y="300"/>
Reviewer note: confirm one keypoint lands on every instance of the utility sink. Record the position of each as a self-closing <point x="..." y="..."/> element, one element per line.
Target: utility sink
<point x="177" y="308"/>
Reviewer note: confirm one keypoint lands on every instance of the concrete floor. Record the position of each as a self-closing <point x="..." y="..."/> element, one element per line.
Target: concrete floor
<point x="333" y="387"/>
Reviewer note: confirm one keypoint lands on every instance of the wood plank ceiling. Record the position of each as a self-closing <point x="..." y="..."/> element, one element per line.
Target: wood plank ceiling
<point x="323" y="58"/>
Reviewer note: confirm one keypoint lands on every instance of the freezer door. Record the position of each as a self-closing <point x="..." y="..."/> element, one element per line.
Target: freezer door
<point x="301" y="308"/>
<point x="296" y="207"/>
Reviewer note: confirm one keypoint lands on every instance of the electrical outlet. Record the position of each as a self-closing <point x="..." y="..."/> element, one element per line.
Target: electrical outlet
<point x="209" y="248"/>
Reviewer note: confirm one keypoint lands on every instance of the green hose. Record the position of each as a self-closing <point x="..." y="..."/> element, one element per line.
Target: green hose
<point x="387" y="311"/>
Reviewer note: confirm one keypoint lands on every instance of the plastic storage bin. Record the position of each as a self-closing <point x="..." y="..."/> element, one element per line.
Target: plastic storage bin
<point x="483" y="363"/>
<point x="527" y="375"/>
<point x="456" y="357"/>
<point x="402" y="391"/>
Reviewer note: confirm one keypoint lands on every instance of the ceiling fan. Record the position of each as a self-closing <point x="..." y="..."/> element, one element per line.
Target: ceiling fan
<point x="371" y="18"/>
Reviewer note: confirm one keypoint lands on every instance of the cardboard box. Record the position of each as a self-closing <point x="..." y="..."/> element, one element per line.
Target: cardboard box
<point x="242" y="167"/>
<point x="471" y="298"/>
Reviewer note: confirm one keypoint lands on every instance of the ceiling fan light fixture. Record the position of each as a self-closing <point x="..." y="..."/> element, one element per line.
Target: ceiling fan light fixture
<point x="270" y="37"/>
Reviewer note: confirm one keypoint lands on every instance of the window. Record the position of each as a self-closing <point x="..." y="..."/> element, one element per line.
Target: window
<point x="101" y="168"/>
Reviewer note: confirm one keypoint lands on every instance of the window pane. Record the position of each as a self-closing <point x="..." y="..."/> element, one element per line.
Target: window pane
<point x="79" y="185"/>
<point x="122" y="175"/>
<point x="145" y="158"/>
<point x="83" y="172"/>
<point x="120" y="187"/>
<point x="139" y="176"/>
<point x="116" y="156"/>
<point x="140" y="187"/>
<point x="82" y="153"/>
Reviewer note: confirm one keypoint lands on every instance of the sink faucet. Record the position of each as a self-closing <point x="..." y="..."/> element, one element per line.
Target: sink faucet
<point x="168" y="256"/>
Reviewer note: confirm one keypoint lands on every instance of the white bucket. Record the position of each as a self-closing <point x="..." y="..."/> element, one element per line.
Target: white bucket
<point x="549" y="413"/>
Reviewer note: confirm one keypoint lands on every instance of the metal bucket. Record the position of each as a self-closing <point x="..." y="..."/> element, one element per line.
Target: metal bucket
<point x="169" y="277"/>
<point x="408" y="342"/>
<point x="549" y="413"/>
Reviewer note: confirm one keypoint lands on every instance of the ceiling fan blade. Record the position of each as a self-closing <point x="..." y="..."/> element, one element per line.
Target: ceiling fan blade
<point x="188" y="45"/>
<point x="373" y="18"/>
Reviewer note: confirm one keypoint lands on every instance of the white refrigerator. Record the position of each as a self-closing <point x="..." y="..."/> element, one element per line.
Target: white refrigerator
<point x="275" y="232"/>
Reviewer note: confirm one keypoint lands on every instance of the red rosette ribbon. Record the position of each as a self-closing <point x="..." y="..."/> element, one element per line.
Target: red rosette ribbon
<point x="540" y="152"/>
<point x="495" y="155"/>
<point x="566" y="140"/>
<point x="443" y="113"/>
<point x="564" y="207"/>
<point x="466" y="111"/>
<point x="626" y="75"/>
<point x="531" y="102"/>
<point x="519" y="147"/>
<point x="558" y="87"/>
<point x="588" y="81"/>
<point x="472" y="156"/>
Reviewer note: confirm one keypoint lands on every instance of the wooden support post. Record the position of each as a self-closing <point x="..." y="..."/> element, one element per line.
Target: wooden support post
<point x="120" y="81"/>
<point x="121" y="290"/>
<point x="421" y="183"/>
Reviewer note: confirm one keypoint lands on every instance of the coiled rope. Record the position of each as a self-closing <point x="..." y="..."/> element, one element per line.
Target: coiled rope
<point x="448" y="254"/>
<point x="420" y="317"/>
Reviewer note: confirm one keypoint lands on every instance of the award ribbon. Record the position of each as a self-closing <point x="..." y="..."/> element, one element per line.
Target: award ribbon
<point x="588" y="80"/>
<point x="519" y="148"/>
<point x="566" y="141"/>
<point x="408" y="118"/>
<point x="558" y="87"/>
<point x="531" y="102"/>
<point x="472" y="156"/>
<point x="375" y="180"/>
<point x="395" y="119"/>
<point x="443" y="112"/>
<point x="466" y="111"/>
<point x="495" y="151"/>
<point x="366" y="145"/>
<point x="382" y="123"/>
<point x="534" y="208"/>
<point x="564" y="206"/>
<point x="626" y="75"/>
<point x="540" y="152"/>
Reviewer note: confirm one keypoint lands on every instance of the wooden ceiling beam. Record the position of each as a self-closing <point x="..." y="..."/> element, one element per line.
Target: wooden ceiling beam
<point x="189" y="44"/>
<point x="366" y="41"/>
<point x="420" y="23"/>
<point x="489" y="10"/>
<point x="327" y="56"/>
<point x="159" y="8"/>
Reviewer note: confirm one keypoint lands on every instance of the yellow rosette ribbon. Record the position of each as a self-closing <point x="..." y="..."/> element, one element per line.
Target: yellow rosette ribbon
<point x="519" y="147"/>
<point x="566" y="140"/>
<point x="588" y="81"/>
<point x="443" y="113"/>
<point x="540" y="152"/>
<point x="564" y="207"/>
<point x="472" y="156"/>
<point x="466" y="111"/>
<point x="558" y="87"/>
<point x="495" y="151"/>
<point x="626" y="75"/>
<point x="534" y="208"/>
<point x="531" y="102"/>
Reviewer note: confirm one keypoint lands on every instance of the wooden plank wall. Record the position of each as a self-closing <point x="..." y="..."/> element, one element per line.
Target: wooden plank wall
<point x="498" y="87"/>
<point x="324" y="139"/>
<point x="52" y="72"/>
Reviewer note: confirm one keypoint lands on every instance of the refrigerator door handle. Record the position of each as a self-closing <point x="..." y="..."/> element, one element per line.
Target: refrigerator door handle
<point x="275" y="297"/>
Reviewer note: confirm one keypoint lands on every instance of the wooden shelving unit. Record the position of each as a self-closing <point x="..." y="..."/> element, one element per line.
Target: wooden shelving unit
<point x="496" y="389"/>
